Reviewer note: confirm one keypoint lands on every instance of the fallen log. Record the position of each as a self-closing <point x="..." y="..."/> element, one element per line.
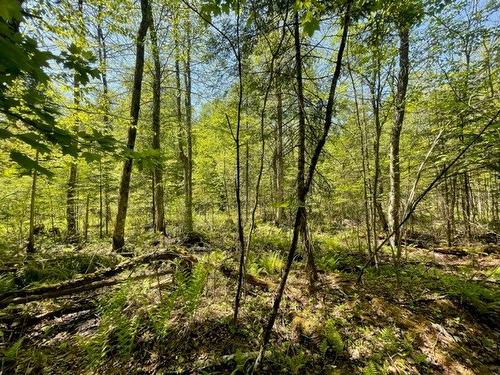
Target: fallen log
<point x="89" y="282"/>
<point x="78" y="289"/>
<point x="250" y="279"/>
<point x="27" y="321"/>
<point x="101" y="279"/>
<point x="451" y="251"/>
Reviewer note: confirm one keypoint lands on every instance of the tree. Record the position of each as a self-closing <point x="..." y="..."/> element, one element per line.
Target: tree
<point x="135" y="104"/>
<point x="300" y="211"/>
<point x="157" y="171"/>
<point x="409" y="15"/>
<point x="395" y="174"/>
<point x="30" y="247"/>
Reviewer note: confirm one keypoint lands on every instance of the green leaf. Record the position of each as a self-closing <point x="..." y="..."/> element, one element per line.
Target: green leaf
<point x="310" y="23"/>
<point x="33" y="140"/>
<point x="4" y="134"/>
<point x="91" y="156"/>
<point x="29" y="164"/>
<point x="10" y="9"/>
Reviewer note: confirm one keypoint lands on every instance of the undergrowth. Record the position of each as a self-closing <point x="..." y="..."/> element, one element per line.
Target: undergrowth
<point x="133" y="309"/>
<point x="64" y="266"/>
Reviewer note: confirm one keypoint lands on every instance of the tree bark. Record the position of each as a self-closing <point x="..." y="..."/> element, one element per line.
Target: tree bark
<point x="30" y="247"/>
<point x="71" y="199"/>
<point x="103" y="171"/>
<point x="121" y="215"/>
<point x="280" y="196"/>
<point x="156" y="127"/>
<point x="376" y="206"/>
<point x="188" y="172"/>
<point x="308" y="248"/>
<point x="241" y="235"/>
<point x="394" y="166"/>
<point x="365" y="168"/>
<point x="86" y="222"/>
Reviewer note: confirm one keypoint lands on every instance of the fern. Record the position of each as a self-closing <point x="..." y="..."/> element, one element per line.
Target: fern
<point x="388" y="337"/>
<point x="11" y="352"/>
<point x="116" y="329"/>
<point x="272" y="263"/>
<point x="371" y="369"/>
<point x="332" y="338"/>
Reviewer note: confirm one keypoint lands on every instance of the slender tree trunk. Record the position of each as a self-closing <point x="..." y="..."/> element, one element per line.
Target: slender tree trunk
<point x="241" y="235"/>
<point x="376" y="170"/>
<point x="447" y="210"/>
<point x="104" y="170"/>
<point x="71" y="229"/>
<point x="364" y="162"/>
<point x="280" y="179"/>
<point x="30" y="247"/>
<point x="188" y="175"/>
<point x="466" y="204"/>
<point x="107" y="206"/>
<point x="153" y="202"/>
<point x="71" y="193"/>
<point x="394" y="170"/>
<point x="71" y="199"/>
<point x="101" y="212"/>
<point x="247" y="178"/>
<point x="299" y="214"/>
<point x="86" y="222"/>
<point x="121" y="215"/>
<point x="309" y="249"/>
<point x="178" y="107"/>
<point x="158" y="192"/>
<point x="310" y="264"/>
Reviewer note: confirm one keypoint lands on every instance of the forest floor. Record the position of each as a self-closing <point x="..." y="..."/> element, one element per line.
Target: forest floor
<point x="175" y="316"/>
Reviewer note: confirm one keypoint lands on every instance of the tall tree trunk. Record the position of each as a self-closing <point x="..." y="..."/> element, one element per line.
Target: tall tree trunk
<point x="375" y="99"/>
<point x="364" y="164"/>
<point x="86" y="222"/>
<point x="104" y="169"/>
<point x="71" y="199"/>
<point x="121" y="215"/>
<point x="153" y="201"/>
<point x="466" y="204"/>
<point x="280" y="196"/>
<point x="394" y="170"/>
<point x="311" y="269"/>
<point x="447" y="211"/>
<point x="178" y="107"/>
<point x="241" y="235"/>
<point x="299" y="214"/>
<point x="158" y="191"/>
<point x="188" y="172"/>
<point x="71" y="218"/>
<point x="101" y="207"/>
<point x="30" y="247"/>
<point x="247" y="177"/>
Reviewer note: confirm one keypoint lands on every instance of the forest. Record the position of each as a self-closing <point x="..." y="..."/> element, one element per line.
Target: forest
<point x="249" y="187"/>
